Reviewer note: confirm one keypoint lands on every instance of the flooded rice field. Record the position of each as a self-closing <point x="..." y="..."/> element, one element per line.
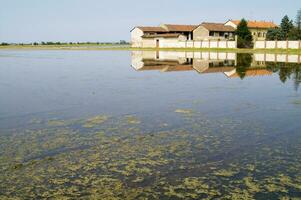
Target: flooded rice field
<point x="149" y="125"/>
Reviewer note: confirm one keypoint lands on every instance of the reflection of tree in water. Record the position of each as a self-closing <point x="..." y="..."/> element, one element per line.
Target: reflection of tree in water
<point x="244" y="61"/>
<point x="287" y="71"/>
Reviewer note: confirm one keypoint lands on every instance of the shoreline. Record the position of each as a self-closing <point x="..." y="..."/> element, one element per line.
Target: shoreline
<point x="128" y="48"/>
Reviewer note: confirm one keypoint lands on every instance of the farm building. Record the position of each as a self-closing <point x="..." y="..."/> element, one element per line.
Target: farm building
<point x="205" y="35"/>
<point x="258" y="29"/>
<point x="151" y="37"/>
<point x="213" y="31"/>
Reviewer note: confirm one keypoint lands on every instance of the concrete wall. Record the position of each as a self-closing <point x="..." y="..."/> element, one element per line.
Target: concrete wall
<point x="277" y="44"/>
<point x="149" y="43"/>
<point x="178" y="43"/>
<point x="200" y="33"/>
<point x="136" y="37"/>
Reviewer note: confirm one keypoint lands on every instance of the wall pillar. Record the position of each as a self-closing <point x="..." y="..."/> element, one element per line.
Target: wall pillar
<point x="236" y="38"/>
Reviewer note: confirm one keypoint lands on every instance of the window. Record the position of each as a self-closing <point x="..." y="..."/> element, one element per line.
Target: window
<point x="211" y="33"/>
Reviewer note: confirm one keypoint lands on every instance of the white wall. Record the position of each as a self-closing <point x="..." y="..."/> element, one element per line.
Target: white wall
<point x="277" y="44"/>
<point x="181" y="43"/>
<point x="136" y="37"/>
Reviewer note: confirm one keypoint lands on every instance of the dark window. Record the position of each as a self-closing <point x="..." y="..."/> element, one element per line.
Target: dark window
<point x="211" y="33"/>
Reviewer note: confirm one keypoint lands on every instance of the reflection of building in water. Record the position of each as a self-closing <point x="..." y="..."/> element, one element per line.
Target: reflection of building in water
<point x="231" y="64"/>
<point x="202" y="62"/>
<point x="249" y="72"/>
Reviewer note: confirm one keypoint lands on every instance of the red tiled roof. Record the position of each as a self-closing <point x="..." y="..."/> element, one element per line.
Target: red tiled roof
<point x="257" y="24"/>
<point x="156" y="29"/>
<point x="164" y="35"/>
<point x="254" y="72"/>
<point x="217" y="27"/>
<point x="180" y="28"/>
<point x="218" y="69"/>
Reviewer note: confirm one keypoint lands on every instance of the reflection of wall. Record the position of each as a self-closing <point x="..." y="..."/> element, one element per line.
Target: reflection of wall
<point x="202" y="62"/>
<point x="208" y="62"/>
<point x="277" y="58"/>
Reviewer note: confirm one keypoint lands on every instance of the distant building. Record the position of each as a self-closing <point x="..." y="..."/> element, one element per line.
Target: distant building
<point x="213" y="31"/>
<point x="175" y="35"/>
<point x="142" y="36"/>
<point x="258" y="29"/>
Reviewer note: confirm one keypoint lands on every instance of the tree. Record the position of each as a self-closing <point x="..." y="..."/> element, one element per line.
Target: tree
<point x="244" y="35"/>
<point x="286" y="26"/>
<point x="244" y="61"/>
<point x="298" y="20"/>
<point x="294" y="34"/>
<point x="275" y="34"/>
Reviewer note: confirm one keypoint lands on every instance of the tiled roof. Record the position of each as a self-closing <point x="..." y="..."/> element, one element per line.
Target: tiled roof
<point x="217" y="27"/>
<point x="164" y="35"/>
<point x="257" y="24"/>
<point x="180" y="28"/>
<point x="176" y="68"/>
<point x="156" y="29"/>
<point x="254" y="72"/>
<point x="218" y="69"/>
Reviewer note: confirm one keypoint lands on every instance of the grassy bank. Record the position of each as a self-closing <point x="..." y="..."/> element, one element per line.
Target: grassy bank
<point x="128" y="48"/>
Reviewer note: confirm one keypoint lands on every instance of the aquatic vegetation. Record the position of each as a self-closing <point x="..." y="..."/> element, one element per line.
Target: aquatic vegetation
<point x="184" y="111"/>
<point x="296" y="102"/>
<point x="132" y="120"/>
<point x="94" y="121"/>
<point x="55" y="122"/>
<point x="251" y="185"/>
<point x="98" y="158"/>
<point x="225" y="173"/>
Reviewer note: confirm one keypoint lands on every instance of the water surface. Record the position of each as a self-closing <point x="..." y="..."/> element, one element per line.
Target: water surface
<point x="156" y="125"/>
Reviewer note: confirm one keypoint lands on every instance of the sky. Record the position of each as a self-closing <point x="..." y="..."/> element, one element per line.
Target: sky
<point x="24" y="21"/>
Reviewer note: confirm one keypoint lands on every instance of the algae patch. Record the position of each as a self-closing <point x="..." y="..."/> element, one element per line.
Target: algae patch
<point x="94" y="121"/>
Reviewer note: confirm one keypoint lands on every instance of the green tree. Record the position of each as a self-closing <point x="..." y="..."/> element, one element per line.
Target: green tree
<point x="244" y="61"/>
<point x="294" y="34"/>
<point x="275" y="34"/>
<point x="244" y="35"/>
<point x="298" y="19"/>
<point x="286" y="26"/>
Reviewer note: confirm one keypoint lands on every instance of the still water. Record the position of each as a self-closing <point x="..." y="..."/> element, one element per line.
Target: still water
<point x="149" y="125"/>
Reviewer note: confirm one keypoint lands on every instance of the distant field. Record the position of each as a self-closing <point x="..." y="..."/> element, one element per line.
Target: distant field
<point x="128" y="47"/>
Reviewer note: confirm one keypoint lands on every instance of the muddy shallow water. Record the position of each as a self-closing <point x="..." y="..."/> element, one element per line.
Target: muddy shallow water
<point x="149" y="125"/>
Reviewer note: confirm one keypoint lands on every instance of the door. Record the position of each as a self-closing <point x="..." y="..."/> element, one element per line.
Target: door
<point x="157" y="43"/>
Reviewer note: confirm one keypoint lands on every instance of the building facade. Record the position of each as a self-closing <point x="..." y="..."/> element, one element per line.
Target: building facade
<point x="213" y="31"/>
<point x="258" y="29"/>
<point x="195" y="36"/>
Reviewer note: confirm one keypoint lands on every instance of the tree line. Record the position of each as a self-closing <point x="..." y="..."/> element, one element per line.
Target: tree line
<point x="288" y="30"/>
<point x="121" y="42"/>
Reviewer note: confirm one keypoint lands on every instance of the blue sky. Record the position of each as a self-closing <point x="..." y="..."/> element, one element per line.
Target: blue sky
<point x="112" y="20"/>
